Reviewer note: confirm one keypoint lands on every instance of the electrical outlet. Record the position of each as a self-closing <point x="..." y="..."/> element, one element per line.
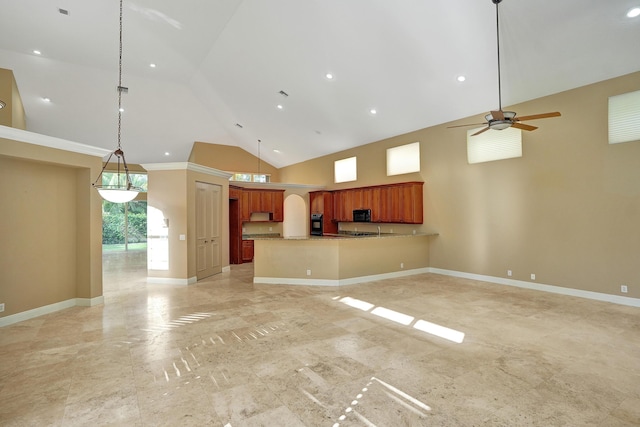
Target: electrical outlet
<point x="1" y="307"/>
<point x="308" y="272"/>
<point x="623" y="289"/>
<point x="270" y="228"/>
<point x="509" y="273"/>
<point x="533" y="276"/>
<point x="391" y="231"/>
<point x="402" y="265"/>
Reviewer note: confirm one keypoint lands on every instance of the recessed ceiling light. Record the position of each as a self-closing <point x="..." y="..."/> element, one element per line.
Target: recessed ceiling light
<point x="276" y="151"/>
<point x="121" y="110"/>
<point x="373" y="111"/>
<point x="329" y="76"/>
<point x="37" y="52"/>
<point x="152" y="65"/>
<point x="166" y="153"/>
<point x="461" y="78"/>
<point x="46" y="99"/>
<point x="633" y="12"/>
<point x="279" y="106"/>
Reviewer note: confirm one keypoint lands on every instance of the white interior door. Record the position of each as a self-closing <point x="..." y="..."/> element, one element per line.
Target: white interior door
<point x="208" y="226"/>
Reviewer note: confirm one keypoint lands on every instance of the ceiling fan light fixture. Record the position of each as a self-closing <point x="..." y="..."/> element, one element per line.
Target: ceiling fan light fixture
<point x="500" y="124"/>
<point x="633" y="12"/>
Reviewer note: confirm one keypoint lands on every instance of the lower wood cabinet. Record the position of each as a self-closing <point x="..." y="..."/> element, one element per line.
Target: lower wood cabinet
<point x="247" y="250"/>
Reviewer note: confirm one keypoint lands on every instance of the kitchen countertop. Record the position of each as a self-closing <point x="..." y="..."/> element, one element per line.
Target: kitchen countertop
<point x="261" y="236"/>
<point x="335" y="236"/>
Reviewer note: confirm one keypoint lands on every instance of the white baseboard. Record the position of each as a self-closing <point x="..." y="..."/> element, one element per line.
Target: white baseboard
<point x="226" y="269"/>
<point x="338" y="282"/>
<point x="89" y="302"/>
<point x="51" y="308"/>
<point x="171" y="281"/>
<point x="616" y="299"/>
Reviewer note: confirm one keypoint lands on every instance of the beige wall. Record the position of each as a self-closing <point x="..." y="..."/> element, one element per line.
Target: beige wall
<point x="13" y="114"/>
<point x="174" y="193"/>
<point x="567" y="211"/>
<point x="167" y="192"/>
<point x="230" y="158"/>
<point x="51" y="227"/>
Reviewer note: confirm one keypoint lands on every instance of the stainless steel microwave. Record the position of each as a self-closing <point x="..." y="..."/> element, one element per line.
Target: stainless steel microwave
<point x="362" y="215"/>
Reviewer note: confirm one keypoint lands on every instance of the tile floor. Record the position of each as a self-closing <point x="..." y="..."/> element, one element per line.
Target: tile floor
<point x="225" y="352"/>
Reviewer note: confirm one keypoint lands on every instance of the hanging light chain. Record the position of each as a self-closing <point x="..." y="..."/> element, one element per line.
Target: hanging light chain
<point x="120" y="79"/>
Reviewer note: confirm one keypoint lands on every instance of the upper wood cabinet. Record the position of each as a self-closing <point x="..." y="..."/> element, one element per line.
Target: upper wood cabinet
<point x="269" y="201"/>
<point x="278" y="206"/>
<point x="245" y="206"/>
<point x="394" y="203"/>
<point x="235" y="192"/>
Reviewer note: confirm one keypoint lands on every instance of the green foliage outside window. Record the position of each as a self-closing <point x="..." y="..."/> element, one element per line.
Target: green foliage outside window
<point x="114" y="227"/>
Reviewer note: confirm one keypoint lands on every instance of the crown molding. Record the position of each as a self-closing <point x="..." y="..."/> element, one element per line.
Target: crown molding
<point x="51" y="142"/>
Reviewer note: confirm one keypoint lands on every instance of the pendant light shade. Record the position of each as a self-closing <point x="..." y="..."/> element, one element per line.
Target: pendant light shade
<point x="122" y="190"/>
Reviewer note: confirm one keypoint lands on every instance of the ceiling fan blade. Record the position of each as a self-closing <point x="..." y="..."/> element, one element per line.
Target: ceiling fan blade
<point x="538" y="116"/>
<point x="523" y="126"/>
<point x="497" y="115"/>
<point x="468" y="124"/>
<point x="480" y="131"/>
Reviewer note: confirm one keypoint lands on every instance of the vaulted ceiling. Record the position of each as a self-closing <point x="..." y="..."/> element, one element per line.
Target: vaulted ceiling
<point x="220" y="67"/>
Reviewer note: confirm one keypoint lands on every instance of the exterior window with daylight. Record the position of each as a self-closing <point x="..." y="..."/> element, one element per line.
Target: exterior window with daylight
<point x="248" y="177"/>
<point x="403" y="159"/>
<point x="624" y="117"/>
<point x="345" y="170"/>
<point x="493" y="145"/>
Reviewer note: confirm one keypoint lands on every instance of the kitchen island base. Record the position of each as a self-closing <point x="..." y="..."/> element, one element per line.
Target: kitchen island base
<point x="339" y="261"/>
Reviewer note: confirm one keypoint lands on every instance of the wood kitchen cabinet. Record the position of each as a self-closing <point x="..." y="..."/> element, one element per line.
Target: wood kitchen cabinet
<point x="247" y="250"/>
<point x="271" y="201"/>
<point x="245" y="206"/>
<point x="401" y="203"/>
<point x="235" y="192"/>
<point x="255" y="198"/>
<point x="392" y="203"/>
<point x="321" y="202"/>
<point x="278" y="206"/>
<point x="342" y="210"/>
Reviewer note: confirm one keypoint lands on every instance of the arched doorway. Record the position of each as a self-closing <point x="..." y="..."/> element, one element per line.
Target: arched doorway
<point x="295" y="216"/>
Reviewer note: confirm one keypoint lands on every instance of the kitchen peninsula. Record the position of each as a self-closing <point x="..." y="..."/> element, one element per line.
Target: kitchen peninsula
<point x="339" y="260"/>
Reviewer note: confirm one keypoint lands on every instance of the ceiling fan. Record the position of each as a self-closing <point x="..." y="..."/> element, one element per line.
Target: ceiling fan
<point x="500" y="119"/>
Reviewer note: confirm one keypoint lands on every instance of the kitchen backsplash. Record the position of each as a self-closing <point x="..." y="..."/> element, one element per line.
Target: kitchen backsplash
<point x="261" y="227"/>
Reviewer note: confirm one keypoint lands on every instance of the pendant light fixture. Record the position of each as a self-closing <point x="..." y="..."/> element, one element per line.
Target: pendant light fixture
<point x="122" y="190"/>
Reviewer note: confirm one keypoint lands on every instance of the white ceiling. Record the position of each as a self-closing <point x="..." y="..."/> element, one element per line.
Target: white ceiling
<point x="224" y="62"/>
